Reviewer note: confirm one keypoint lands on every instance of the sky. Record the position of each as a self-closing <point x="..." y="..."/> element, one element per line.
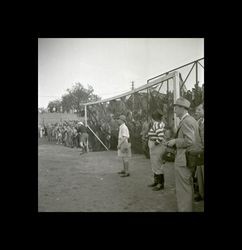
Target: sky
<point x="109" y="65"/>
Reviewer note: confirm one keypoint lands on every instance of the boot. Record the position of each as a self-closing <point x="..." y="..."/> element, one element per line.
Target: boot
<point x="160" y="185"/>
<point x="155" y="181"/>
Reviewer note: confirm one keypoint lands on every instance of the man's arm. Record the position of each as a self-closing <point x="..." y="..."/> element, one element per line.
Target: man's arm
<point x="188" y="139"/>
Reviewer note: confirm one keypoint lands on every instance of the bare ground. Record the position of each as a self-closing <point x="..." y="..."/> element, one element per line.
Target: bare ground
<point x="70" y="182"/>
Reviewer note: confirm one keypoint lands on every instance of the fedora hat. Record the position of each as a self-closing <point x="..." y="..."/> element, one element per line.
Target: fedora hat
<point x="183" y="102"/>
<point x="122" y="117"/>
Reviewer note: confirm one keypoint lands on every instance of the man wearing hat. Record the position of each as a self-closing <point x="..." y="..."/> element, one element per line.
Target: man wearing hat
<point x="156" y="147"/>
<point x="187" y="137"/>
<point x="124" y="147"/>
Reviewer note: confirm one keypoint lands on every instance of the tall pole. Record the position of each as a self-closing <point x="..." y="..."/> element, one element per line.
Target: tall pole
<point x="196" y="73"/>
<point x="85" y="108"/>
<point x="176" y="89"/>
<point x="133" y="95"/>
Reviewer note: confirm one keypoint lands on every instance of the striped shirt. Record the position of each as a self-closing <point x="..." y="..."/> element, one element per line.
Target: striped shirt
<point x="156" y="132"/>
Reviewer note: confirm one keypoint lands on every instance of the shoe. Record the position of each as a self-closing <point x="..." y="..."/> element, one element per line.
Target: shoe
<point x="121" y="172"/>
<point x="160" y="180"/>
<point x="155" y="181"/>
<point x="125" y="175"/>
<point x="198" y="198"/>
<point x="158" y="187"/>
<point x="153" y="185"/>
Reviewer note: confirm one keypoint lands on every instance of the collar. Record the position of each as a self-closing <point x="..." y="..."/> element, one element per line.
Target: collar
<point x="185" y="115"/>
<point x="123" y="124"/>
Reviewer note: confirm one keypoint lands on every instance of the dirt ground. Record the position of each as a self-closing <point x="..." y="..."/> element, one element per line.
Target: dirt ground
<point x="70" y="182"/>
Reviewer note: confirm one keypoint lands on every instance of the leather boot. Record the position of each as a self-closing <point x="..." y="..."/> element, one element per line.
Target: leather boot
<point x="160" y="184"/>
<point x="155" y="181"/>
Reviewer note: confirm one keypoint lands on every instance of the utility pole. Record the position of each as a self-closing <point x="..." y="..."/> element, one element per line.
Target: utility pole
<point x="133" y="94"/>
<point x="132" y="85"/>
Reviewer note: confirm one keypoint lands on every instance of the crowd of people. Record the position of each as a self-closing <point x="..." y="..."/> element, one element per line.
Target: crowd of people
<point x="155" y="137"/>
<point x="65" y="133"/>
<point x="68" y="133"/>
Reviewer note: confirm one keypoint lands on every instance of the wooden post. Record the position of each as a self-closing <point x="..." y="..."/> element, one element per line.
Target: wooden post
<point x="85" y="109"/>
<point x="176" y="91"/>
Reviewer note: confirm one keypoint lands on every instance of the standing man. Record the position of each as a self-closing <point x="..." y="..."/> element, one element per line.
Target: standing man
<point x="144" y="136"/>
<point x="156" y="138"/>
<point x="82" y="130"/>
<point x="200" y="169"/>
<point x="124" y="147"/>
<point x="187" y="136"/>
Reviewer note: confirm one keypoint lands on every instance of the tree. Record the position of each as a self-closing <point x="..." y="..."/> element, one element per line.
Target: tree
<point x="73" y="99"/>
<point x="78" y="95"/>
<point x="67" y="103"/>
<point x="42" y="110"/>
<point x="54" y="106"/>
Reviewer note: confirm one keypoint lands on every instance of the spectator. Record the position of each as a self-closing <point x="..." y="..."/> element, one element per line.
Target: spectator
<point x="41" y="131"/>
<point x="83" y="138"/>
<point x="144" y="136"/>
<point x="114" y="133"/>
<point x="200" y="169"/>
<point x="186" y="137"/>
<point x="156" y="137"/>
<point x="124" y="147"/>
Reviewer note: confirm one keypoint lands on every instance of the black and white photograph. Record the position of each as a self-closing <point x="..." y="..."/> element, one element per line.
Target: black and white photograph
<point x="121" y="125"/>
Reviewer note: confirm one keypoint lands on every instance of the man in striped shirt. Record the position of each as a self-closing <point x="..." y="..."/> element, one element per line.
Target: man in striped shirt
<point x="156" y="137"/>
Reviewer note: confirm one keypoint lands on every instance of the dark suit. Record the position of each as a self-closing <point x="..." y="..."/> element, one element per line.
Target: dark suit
<point x="187" y="137"/>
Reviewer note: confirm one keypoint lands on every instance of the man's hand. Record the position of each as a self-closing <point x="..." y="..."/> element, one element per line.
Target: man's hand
<point x="171" y="143"/>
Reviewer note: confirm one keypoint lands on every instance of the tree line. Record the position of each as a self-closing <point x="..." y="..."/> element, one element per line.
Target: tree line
<point x="73" y="99"/>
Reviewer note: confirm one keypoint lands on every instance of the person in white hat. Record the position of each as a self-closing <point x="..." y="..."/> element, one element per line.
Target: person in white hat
<point x="187" y="137"/>
<point x="124" y="147"/>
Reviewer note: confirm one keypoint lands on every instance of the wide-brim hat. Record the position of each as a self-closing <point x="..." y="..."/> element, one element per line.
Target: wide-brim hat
<point x="183" y="102"/>
<point x="80" y="123"/>
<point x="122" y="117"/>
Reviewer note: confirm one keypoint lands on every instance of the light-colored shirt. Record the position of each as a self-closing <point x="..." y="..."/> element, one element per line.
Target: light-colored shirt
<point x="123" y="131"/>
